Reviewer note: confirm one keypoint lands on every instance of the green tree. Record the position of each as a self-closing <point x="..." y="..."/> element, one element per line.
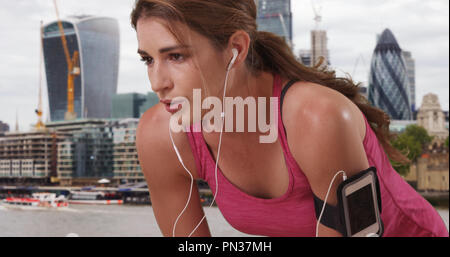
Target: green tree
<point x="411" y="143"/>
<point x="446" y="142"/>
<point x="409" y="147"/>
<point x="419" y="133"/>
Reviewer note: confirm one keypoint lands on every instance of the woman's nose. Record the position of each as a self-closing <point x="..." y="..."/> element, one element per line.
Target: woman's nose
<point x="159" y="81"/>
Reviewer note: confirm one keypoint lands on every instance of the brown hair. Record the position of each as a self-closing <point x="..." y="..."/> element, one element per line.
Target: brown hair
<point x="217" y="20"/>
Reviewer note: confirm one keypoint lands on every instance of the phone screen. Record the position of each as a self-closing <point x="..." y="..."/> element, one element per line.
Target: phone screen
<point x="361" y="209"/>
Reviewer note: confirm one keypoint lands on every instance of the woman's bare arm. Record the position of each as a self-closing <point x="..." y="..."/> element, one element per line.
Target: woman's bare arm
<point x="325" y="138"/>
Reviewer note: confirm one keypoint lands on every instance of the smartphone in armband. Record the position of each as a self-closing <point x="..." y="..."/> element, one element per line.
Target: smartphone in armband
<point x="359" y="203"/>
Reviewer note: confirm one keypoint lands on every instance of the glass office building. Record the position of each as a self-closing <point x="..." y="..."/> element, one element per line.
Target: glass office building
<point x="127" y="105"/>
<point x="275" y="16"/>
<point x="126" y="163"/>
<point x="97" y="41"/>
<point x="86" y="150"/>
<point x="132" y="105"/>
<point x="388" y="80"/>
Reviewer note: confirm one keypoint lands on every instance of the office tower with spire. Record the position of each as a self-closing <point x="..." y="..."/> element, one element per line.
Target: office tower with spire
<point x="97" y="41"/>
<point x="388" y="79"/>
<point x="275" y="16"/>
<point x="17" y="121"/>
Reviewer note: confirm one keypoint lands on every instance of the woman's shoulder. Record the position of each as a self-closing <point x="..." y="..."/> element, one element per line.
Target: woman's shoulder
<point x="307" y="103"/>
<point x="150" y="126"/>
<point x="154" y="145"/>
<point x="304" y="94"/>
<point x="324" y="134"/>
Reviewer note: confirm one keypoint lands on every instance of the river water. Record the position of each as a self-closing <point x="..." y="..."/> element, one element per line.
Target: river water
<point x="104" y="221"/>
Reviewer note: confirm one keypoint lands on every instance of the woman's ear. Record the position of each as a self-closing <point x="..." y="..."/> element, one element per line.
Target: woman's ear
<point x="240" y="40"/>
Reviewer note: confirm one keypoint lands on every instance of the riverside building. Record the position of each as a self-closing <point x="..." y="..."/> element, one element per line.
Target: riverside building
<point x="72" y="153"/>
<point x="29" y="157"/>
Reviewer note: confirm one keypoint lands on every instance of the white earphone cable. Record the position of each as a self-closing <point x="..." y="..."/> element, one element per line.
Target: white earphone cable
<point x="326" y="197"/>
<point x="217" y="161"/>
<point x="192" y="182"/>
<point x="218" y="150"/>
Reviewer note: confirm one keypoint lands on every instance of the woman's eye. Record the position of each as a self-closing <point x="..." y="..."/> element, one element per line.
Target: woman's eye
<point x="176" y="57"/>
<point x="147" y="60"/>
<point x="173" y="57"/>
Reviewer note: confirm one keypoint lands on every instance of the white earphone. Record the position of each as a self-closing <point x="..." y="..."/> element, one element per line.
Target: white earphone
<point x="235" y="54"/>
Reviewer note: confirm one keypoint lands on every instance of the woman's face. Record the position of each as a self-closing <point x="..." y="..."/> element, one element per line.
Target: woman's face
<point x="176" y="70"/>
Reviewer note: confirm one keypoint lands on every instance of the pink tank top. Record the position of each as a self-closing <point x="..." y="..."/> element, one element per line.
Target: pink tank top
<point x="404" y="211"/>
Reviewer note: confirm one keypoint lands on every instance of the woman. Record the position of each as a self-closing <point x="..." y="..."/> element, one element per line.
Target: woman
<point x="268" y="189"/>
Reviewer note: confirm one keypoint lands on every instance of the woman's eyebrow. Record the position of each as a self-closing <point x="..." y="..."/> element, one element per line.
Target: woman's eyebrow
<point x="142" y="52"/>
<point x="168" y="49"/>
<point x="163" y="50"/>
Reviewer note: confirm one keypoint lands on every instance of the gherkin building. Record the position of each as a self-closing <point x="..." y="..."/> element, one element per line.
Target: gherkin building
<point x="388" y="80"/>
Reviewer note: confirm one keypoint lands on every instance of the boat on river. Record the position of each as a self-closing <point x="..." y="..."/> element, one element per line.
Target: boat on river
<point x="36" y="201"/>
<point x="93" y="197"/>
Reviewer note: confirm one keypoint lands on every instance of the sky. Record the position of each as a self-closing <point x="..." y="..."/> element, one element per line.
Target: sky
<point x="421" y="27"/>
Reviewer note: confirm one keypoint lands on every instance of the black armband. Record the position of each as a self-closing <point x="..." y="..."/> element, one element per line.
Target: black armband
<point x="334" y="216"/>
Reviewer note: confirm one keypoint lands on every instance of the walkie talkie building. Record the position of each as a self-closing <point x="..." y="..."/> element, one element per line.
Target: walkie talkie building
<point x="275" y="16"/>
<point x="388" y="80"/>
<point x="97" y="41"/>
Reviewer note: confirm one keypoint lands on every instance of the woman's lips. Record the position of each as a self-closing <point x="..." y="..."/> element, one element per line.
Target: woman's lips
<point x="175" y="107"/>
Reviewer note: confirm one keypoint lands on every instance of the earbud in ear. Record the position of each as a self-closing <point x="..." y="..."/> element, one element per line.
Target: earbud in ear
<point x="235" y="54"/>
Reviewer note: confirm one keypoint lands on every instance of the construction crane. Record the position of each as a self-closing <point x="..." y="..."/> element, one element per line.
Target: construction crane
<point x="73" y="69"/>
<point x="357" y="65"/>
<point x="360" y="57"/>
<point x="317" y="13"/>
<point x="40" y="125"/>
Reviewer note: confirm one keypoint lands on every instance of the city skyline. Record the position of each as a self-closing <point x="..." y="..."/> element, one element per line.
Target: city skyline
<point x="422" y="29"/>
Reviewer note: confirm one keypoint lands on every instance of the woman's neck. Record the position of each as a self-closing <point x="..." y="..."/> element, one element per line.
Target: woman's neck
<point x="244" y="85"/>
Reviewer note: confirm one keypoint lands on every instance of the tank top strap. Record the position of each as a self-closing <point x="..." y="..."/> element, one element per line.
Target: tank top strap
<point x="281" y="93"/>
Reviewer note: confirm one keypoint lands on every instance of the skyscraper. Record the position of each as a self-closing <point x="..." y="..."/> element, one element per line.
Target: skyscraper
<point x="319" y="42"/>
<point x="411" y="73"/>
<point x="97" y="41"/>
<point x="275" y="16"/>
<point x="388" y="80"/>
